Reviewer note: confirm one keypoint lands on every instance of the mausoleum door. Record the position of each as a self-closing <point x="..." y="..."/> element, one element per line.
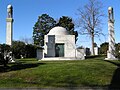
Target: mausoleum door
<point x="59" y="50"/>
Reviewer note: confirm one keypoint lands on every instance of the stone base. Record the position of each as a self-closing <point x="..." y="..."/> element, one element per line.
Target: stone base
<point x="111" y="58"/>
<point x="59" y="59"/>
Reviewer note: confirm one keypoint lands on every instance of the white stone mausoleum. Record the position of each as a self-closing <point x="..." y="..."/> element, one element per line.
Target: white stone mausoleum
<point x="60" y="45"/>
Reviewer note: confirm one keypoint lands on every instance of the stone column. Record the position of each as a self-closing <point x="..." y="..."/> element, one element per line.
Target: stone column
<point x="9" y="30"/>
<point x="9" y="26"/>
<point x="111" y="37"/>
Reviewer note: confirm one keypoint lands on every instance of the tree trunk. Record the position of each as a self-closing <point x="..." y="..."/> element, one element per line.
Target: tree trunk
<point x="92" y="39"/>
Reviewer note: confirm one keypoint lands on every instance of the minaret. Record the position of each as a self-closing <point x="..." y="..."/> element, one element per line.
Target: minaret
<point x="9" y="26"/>
<point x="111" y="50"/>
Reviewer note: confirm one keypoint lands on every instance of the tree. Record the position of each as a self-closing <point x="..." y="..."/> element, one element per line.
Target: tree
<point x="104" y="48"/>
<point x="30" y="51"/>
<point x="91" y="20"/>
<point x="41" y="28"/>
<point x="67" y="23"/>
<point x="117" y="50"/>
<point x="18" y="49"/>
<point x="4" y="47"/>
<point x="4" y="58"/>
<point x="27" y="40"/>
<point x="95" y="44"/>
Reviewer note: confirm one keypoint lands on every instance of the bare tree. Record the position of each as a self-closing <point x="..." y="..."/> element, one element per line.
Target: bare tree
<point x="90" y="20"/>
<point x="26" y="40"/>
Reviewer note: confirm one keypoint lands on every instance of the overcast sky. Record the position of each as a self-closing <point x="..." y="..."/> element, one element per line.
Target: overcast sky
<point x="26" y="12"/>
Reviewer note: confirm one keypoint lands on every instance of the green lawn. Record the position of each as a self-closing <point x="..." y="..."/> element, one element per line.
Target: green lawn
<point x="33" y="73"/>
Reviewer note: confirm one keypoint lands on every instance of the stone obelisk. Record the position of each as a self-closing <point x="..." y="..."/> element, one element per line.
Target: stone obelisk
<point x="111" y="50"/>
<point x="9" y="26"/>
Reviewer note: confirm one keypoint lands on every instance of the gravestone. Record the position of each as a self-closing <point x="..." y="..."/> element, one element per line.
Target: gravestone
<point x="40" y="53"/>
<point x="96" y="50"/>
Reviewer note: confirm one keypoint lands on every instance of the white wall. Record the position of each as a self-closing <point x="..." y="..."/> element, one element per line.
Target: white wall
<point x="67" y="40"/>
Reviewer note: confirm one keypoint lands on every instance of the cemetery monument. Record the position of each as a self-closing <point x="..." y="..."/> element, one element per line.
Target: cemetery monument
<point x="111" y="50"/>
<point x="9" y="30"/>
<point x="9" y="26"/>
<point x="60" y="45"/>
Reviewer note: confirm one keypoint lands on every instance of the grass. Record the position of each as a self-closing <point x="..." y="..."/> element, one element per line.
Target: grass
<point x="33" y="73"/>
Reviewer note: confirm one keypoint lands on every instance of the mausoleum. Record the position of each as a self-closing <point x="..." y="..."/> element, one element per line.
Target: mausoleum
<point x="59" y="44"/>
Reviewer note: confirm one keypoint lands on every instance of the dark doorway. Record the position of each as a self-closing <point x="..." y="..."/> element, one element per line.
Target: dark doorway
<point x="59" y="50"/>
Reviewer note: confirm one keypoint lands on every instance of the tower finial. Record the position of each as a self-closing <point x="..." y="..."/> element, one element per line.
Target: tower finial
<point x="9" y="11"/>
<point x="110" y="13"/>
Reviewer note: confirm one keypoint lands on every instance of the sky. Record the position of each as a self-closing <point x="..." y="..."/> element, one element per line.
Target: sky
<point x="26" y="12"/>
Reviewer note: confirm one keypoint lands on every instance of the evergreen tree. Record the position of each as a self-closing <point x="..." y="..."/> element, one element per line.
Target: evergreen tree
<point x="104" y="48"/>
<point x="67" y="23"/>
<point x="41" y="28"/>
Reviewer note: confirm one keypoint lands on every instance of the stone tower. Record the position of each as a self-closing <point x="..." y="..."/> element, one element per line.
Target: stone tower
<point x="9" y="26"/>
<point x="111" y="50"/>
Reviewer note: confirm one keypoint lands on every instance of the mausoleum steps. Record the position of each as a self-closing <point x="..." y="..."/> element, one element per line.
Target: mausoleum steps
<point x="59" y="58"/>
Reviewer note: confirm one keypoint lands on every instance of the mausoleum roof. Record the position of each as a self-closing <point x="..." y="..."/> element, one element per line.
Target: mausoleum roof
<point x="58" y="31"/>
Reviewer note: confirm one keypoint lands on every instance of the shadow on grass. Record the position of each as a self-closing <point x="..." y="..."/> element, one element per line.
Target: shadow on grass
<point x="97" y="57"/>
<point x="115" y="82"/>
<point x="24" y="66"/>
<point x="19" y="66"/>
<point x="3" y="69"/>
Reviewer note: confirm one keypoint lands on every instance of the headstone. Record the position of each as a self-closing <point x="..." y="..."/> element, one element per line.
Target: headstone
<point x="111" y="37"/>
<point x="96" y="49"/>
